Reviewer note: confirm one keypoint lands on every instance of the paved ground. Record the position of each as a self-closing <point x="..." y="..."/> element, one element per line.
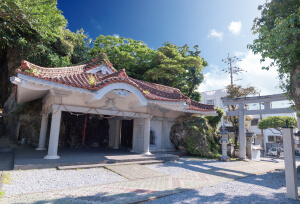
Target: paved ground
<point x="165" y="179"/>
<point x="129" y="171"/>
<point x="29" y="158"/>
<point x="265" y="188"/>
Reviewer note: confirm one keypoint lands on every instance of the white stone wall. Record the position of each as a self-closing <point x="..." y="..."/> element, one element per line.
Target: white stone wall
<point x="138" y="135"/>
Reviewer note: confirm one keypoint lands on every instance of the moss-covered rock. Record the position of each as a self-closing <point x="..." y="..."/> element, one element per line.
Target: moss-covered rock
<point x="197" y="136"/>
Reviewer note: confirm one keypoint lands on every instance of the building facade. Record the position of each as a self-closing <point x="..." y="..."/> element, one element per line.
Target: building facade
<point x="97" y="89"/>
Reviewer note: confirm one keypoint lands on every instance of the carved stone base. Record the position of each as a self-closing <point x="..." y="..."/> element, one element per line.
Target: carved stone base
<point x="225" y="158"/>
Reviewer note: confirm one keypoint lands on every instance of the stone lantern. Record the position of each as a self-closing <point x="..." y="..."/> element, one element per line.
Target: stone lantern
<point x="224" y="141"/>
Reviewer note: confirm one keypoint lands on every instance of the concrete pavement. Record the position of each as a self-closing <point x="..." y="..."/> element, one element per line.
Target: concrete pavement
<point x="155" y="184"/>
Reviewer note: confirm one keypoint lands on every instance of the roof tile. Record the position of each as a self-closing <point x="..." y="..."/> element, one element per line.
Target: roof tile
<point x="77" y="76"/>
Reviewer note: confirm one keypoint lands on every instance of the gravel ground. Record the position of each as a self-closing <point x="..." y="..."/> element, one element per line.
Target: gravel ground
<point x="266" y="188"/>
<point x="187" y="165"/>
<point x="29" y="181"/>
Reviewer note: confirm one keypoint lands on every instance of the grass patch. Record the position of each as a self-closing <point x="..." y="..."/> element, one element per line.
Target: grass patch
<point x="2" y="193"/>
<point x="7" y="179"/>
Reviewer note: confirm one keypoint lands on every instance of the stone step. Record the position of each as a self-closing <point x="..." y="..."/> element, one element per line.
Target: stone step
<point x="88" y="166"/>
<point x="119" y="159"/>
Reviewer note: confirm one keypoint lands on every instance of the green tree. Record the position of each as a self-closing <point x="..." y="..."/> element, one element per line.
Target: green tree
<point x="278" y="38"/>
<point x="36" y="31"/>
<point x="277" y="123"/>
<point x="168" y="65"/>
<point x="135" y="56"/>
<point x="237" y="91"/>
<point x="178" y="67"/>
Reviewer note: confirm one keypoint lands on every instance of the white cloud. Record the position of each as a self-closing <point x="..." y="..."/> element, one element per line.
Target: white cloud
<point x="116" y="35"/>
<point x="266" y="81"/>
<point x="240" y="54"/>
<point x="93" y="21"/>
<point x="235" y="27"/>
<point x="215" y="34"/>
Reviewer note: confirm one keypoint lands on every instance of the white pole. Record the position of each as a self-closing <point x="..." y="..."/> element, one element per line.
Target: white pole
<point x="118" y="134"/>
<point x="242" y="133"/>
<point x="54" y="136"/>
<point x="43" y="133"/>
<point x="290" y="164"/>
<point x="146" y="136"/>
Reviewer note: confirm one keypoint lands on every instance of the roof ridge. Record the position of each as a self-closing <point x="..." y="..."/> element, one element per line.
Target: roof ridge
<point x="160" y="85"/>
<point x="24" y="65"/>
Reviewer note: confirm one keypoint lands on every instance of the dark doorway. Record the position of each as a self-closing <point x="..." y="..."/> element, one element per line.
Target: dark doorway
<point x="71" y="134"/>
<point x="126" y="134"/>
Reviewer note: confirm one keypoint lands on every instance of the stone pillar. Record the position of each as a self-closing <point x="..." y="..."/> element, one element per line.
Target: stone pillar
<point x="43" y="132"/>
<point x="242" y="133"/>
<point x="298" y="123"/>
<point x="290" y="164"/>
<point x="249" y="147"/>
<point x="146" y="136"/>
<point x="54" y="136"/>
<point x="266" y="140"/>
<point x="117" y="135"/>
<point x="163" y="134"/>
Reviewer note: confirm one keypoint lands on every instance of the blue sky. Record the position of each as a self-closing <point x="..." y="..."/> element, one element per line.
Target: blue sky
<point x="218" y="27"/>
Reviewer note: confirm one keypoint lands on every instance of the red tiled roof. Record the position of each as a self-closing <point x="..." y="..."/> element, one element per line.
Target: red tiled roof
<point x="77" y="76"/>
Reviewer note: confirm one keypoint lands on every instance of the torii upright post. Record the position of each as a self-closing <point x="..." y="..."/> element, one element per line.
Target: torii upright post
<point x="242" y="133"/>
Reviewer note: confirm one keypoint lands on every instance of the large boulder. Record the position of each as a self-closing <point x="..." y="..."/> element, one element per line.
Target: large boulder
<point x="196" y="137"/>
<point x="22" y="120"/>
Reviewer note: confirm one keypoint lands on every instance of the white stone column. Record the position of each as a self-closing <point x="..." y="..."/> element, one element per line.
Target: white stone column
<point x="298" y="123"/>
<point x="163" y="134"/>
<point x="54" y="136"/>
<point x="242" y="133"/>
<point x="117" y="135"/>
<point x="290" y="164"/>
<point x="43" y="132"/>
<point x="146" y="136"/>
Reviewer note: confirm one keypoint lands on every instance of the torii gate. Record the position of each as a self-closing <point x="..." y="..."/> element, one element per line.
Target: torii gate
<point x="289" y="149"/>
